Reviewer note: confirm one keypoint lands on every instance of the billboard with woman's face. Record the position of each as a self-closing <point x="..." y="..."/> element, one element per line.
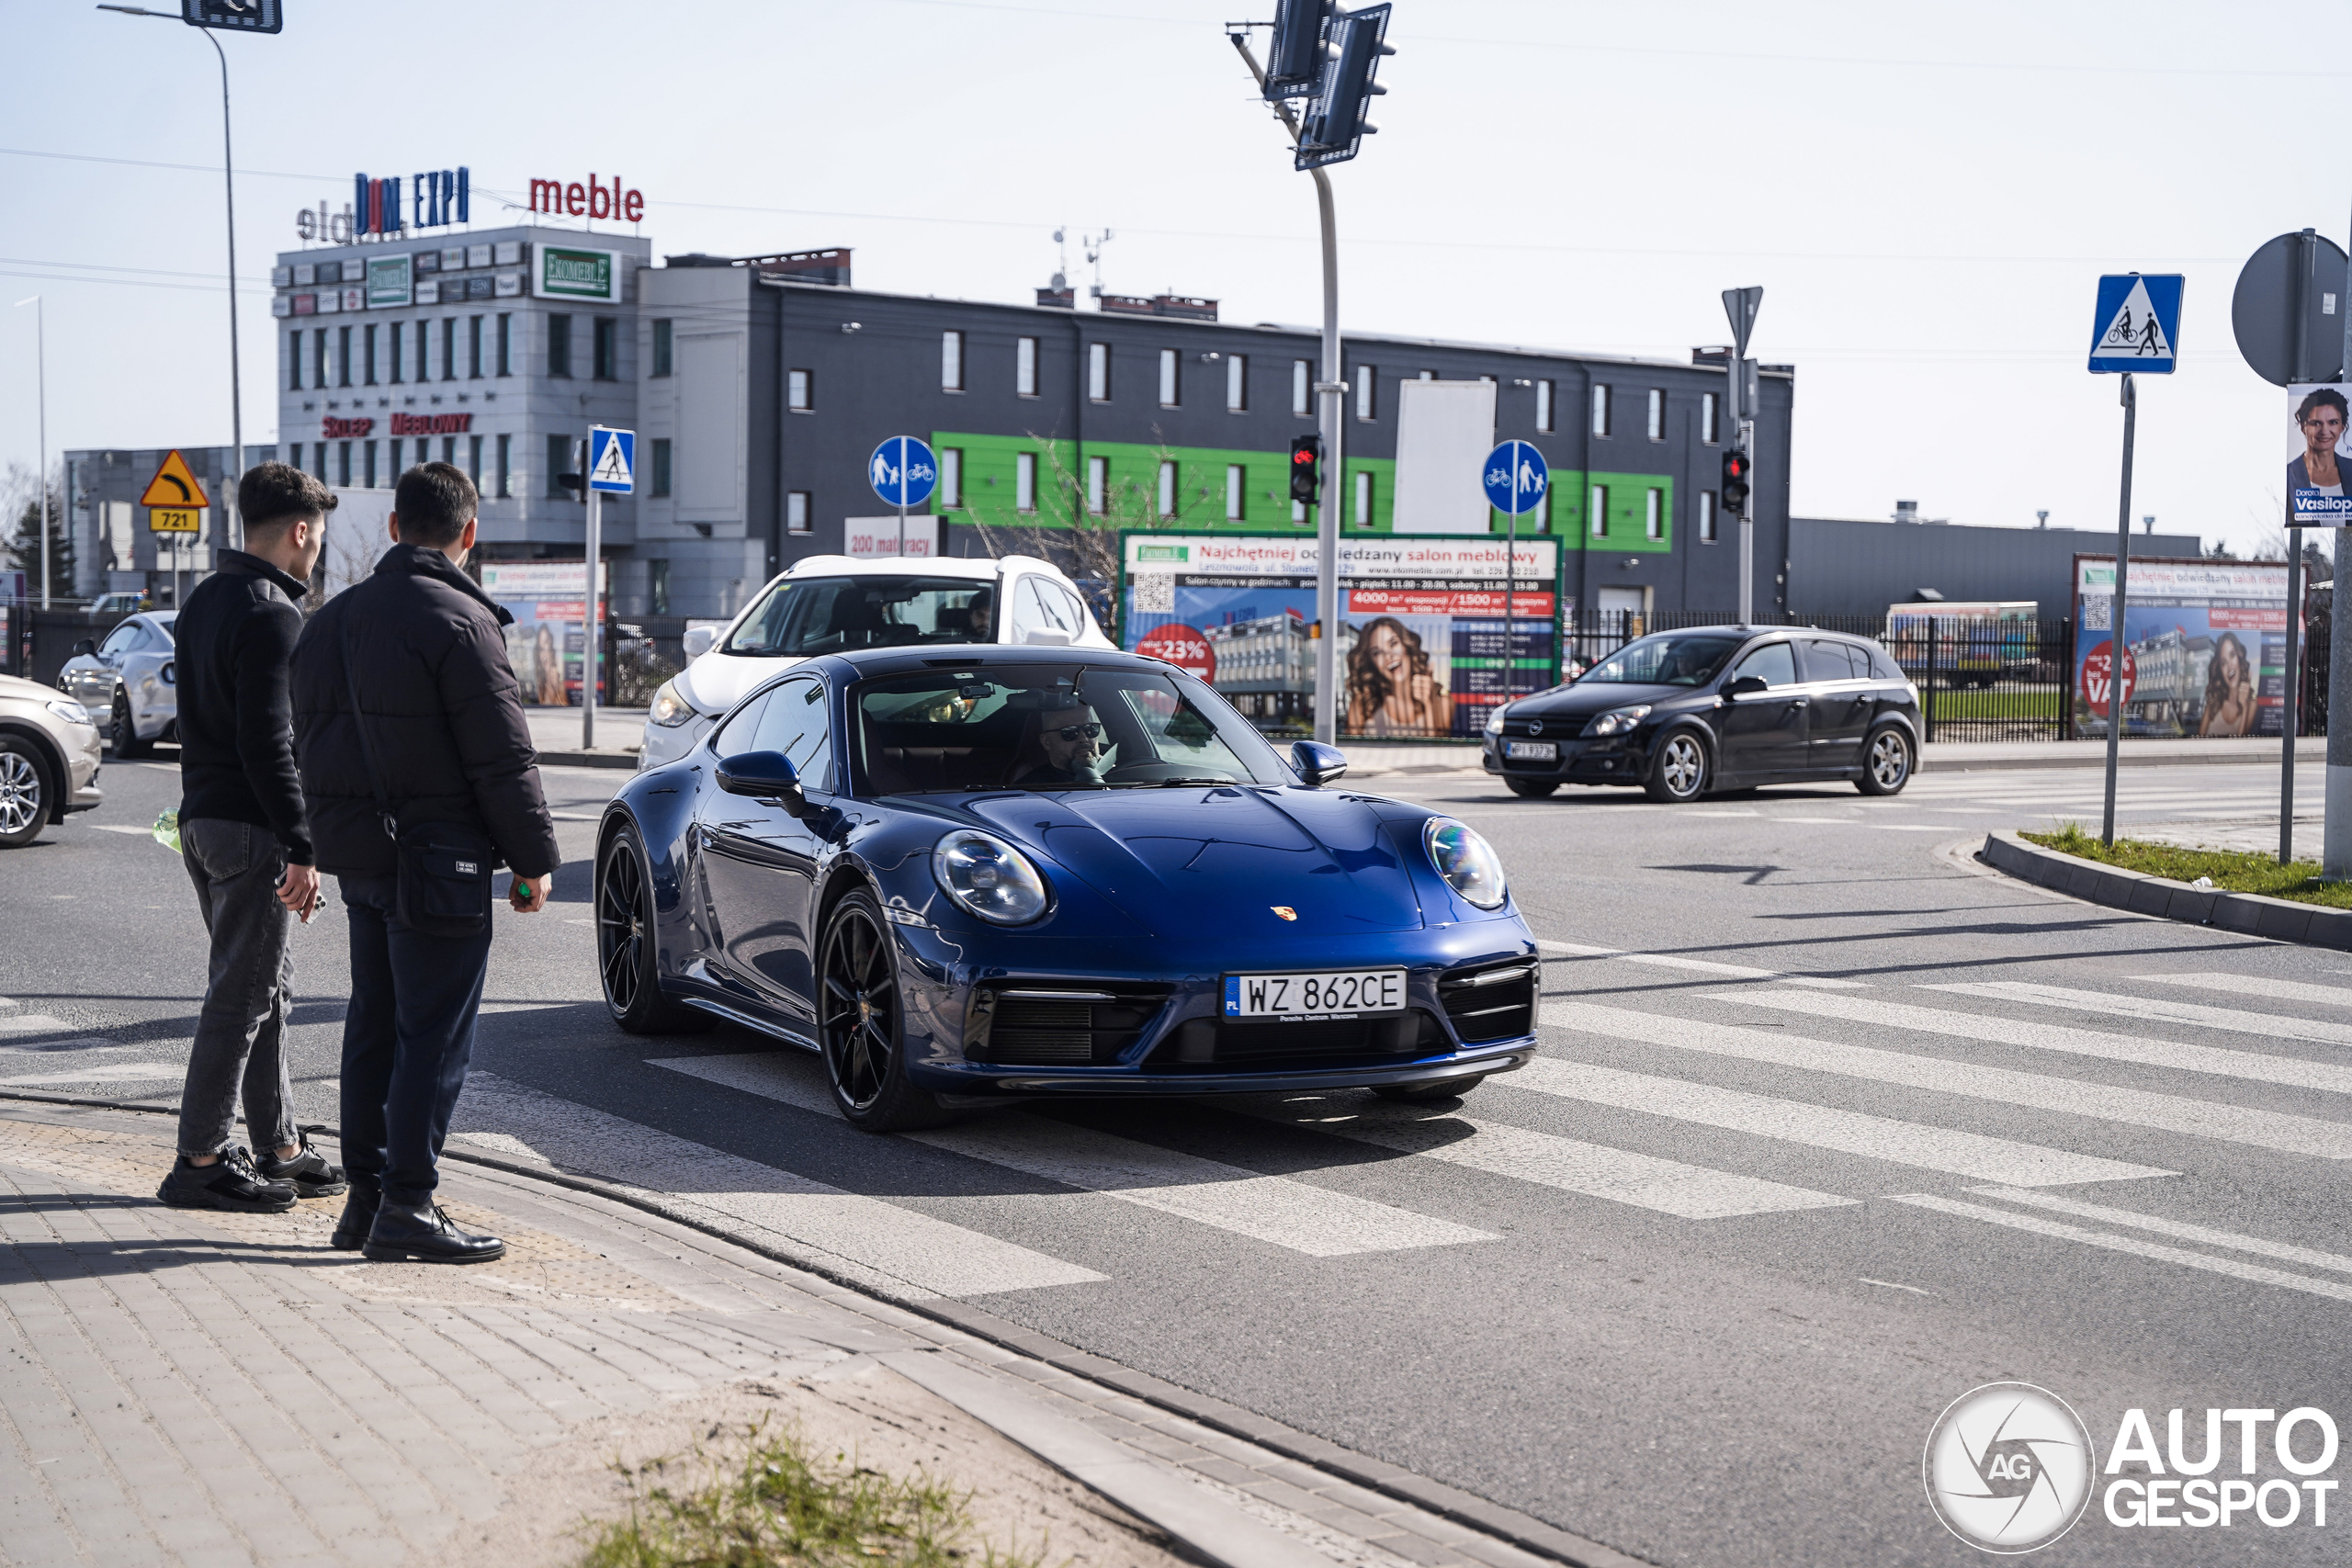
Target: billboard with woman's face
<point x="2204" y="647"/>
<point x="2319" y="455"/>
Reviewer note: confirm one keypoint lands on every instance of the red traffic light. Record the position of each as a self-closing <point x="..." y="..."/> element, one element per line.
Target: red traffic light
<point x="1306" y="469"/>
<point x="1736" y="466"/>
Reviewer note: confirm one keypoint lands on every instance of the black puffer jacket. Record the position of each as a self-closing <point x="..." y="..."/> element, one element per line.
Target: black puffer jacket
<point x="236" y="739"/>
<point x="444" y="717"/>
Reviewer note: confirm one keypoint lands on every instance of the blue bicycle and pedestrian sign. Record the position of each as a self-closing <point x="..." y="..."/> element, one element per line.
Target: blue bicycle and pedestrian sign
<point x="2136" y="326"/>
<point x="903" y="471"/>
<point x="1516" y="478"/>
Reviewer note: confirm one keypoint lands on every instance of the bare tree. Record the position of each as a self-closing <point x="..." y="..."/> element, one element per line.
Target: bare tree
<point x="1066" y="530"/>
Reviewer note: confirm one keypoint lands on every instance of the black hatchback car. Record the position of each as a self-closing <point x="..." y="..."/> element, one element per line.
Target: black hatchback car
<point x="1685" y="713"/>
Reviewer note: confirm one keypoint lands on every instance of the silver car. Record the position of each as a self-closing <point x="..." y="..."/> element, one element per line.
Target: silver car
<point x="129" y="683"/>
<point x="49" y="760"/>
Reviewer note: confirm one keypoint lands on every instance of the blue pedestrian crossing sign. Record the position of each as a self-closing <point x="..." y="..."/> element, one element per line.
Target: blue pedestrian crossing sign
<point x="612" y="460"/>
<point x="903" y="471"/>
<point x="2137" y="325"/>
<point x="1516" y="478"/>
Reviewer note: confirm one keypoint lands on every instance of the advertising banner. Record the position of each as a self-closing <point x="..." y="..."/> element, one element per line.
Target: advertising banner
<point x="546" y="643"/>
<point x="571" y="272"/>
<point x="1422" y="652"/>
<point x="2204" y="647"/>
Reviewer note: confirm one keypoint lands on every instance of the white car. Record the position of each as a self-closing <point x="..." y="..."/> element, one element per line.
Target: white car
<point x="832" y="603"/>
<point x="129" y="683"/>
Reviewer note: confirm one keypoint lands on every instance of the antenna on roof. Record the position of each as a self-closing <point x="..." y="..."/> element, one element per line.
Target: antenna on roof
<point x="1093" y="244"/>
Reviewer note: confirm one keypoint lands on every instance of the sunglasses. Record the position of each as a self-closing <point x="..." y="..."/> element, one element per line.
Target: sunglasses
<point x="1072" y="731"/>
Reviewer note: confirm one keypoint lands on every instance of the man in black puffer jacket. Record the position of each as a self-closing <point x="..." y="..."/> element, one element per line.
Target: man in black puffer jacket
<point x="445" y="741"/>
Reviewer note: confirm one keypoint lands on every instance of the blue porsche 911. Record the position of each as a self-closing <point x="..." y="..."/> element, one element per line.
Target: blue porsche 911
<point x="971" y="873"/>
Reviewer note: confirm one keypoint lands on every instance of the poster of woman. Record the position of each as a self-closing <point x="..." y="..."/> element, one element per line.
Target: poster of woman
<point x="2317" y="456"/>
<point x="1392" y="684"/>
<point x="2229" y="690"/>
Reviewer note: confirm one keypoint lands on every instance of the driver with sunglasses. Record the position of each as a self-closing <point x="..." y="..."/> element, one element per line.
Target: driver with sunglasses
<point x="1071" y="738"/>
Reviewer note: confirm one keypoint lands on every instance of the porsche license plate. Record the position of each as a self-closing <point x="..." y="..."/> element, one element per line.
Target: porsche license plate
<point x="1339" y="993"/>
<point x="1531" y="750"/>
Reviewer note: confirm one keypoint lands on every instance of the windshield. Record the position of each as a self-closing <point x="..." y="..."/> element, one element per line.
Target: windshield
<point x="833" y="615"/>
<point x="1049" y="726"/>
<point x="1669" y="659"/>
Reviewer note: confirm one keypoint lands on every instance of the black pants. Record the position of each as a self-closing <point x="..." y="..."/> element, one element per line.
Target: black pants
<point x="405" y="1041"/>
<point x="241" y="1029"/>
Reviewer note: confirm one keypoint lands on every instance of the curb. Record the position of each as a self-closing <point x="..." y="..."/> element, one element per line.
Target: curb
<point x="1465" y="1508"/>
<point x="2250" y="914"/>
<point x="1928" y="762"/>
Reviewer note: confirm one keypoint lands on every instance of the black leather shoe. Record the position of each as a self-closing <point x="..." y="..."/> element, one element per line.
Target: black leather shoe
<point x="308" y="1172"/>
<point x="421" y="1233"/>
<point x="358" y="1219"/>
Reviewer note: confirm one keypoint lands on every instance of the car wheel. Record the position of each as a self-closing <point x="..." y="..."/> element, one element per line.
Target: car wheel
<point x="1886" y="761"/>
<point x="24" y="794"/>
<point x="1680" y="768"/>
<point x="861" y="1023"/>
<point x="1531" y="789"/>
<point x="125" y="741"/>
<point x="1433" y="1089"/>
<point x="627" y="951"/>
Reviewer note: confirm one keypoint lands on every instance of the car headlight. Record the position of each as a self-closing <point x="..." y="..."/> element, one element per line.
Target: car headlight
<point x="71" y="713"/>
<point x="1619" y="721"/>
<point x="1495" y="719"/>
<point x="988" y="877"/>
<point x="1467" y="862"/>
<point x="669" y="710"/>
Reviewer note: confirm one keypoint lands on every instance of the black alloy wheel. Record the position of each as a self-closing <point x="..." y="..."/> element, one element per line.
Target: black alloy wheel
<point x="125" y="741"/>
<point x="860" y="1024"/>
<point x="1887" y="760"/>
<point x="1430" y="1090"/>
<point x="1531" y="789"/>
<point x="24" y="793"/>
<point x="627" y="959"/>
<point x="1680" y="768"/>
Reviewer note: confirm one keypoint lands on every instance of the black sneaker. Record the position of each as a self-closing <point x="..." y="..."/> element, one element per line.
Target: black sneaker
<point x="308" y="1172"/>
<point x="230" y="1182"/>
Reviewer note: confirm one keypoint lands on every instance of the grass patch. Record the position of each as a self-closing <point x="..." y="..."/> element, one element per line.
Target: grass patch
<point x="785" y="1505"/>
<point x="2232" y="871"/>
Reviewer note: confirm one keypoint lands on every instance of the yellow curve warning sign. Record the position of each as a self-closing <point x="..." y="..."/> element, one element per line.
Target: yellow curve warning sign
<point x="175" y="484"/>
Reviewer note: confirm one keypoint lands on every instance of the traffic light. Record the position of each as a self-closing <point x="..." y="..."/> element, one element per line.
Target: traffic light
<point x="1335" y="122"/>
<point x="236" y="15"/>
<point x="1736" y="467"/>
<point x="1307" y="469"/>
<point x="1294" y="60"/>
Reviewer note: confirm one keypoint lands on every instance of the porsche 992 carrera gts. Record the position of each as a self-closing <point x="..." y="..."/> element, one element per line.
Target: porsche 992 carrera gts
<point x="985" y="873"/>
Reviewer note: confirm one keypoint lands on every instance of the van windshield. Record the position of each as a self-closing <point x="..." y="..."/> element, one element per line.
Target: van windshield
<point x="810" y="616"/>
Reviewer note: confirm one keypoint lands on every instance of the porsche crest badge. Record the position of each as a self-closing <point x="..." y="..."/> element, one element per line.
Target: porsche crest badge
<point x="1285" y="911"/>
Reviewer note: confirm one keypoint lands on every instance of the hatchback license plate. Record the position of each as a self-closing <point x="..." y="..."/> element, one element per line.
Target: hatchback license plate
<point x="1531" y="750"/>
<point x="1339" y="993"/>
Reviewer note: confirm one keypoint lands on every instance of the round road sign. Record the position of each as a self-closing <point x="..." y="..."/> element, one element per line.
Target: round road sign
<point x="1516" y="477"/>
<point x="902" y="471"/>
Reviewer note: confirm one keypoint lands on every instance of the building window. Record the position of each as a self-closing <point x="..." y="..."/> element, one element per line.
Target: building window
<point x="1168" y="382"/>
<point x="1237" y="383"/>
<point x="448" y="348"/>
<point x="319" y="361"/>
<point x="1301" y="387"/>
<point x="393" y="474"/>
<point x="294" y="361"/>
<point x="1025" y="368"/>
<point x="1298" y="512"/>
<point x="1167" y="489"/>
<point x="951" y="362"/>
<point x="1707" y="514"/>
<point x="1236" y="481"/>
<point x="660" y="466"/>
<point x="657" y="581"/>
<point x="1654" y="515"/>
<point x="1597" y="509"/>
<point x="559" y="345"/>
<point x="796" y="512"/>
<point x="951" y="476"/>
<point x="505" y="463"/>
<point x="558" y="464"/>
<point x="449" y="450"/>
<point x="368" y="464"/>
<point x="1098" y="483"/>
<point x="367" y="347"/>
<point x="319" y="459"/>
<point x="1543" y="513"/>
<point x="1365" y="408"/>
<point x="1098" y="372"/>
<point x="342" y="464"/>
<point x="1543" y="405"/>
<point x="1024" y="482"/>
<point x="798" y="395"/>
<point x="342" y="357"/>
<point x="663" y="341"/>
<point x="1600" y="408"/>
<point x="473" y="348"/>
<point x="1432" y="376"/>
<point x="394" y="358"/>
<point x="423" y="341"/>
<point x="1707" y="418"/>
<point x="473" y="462"/>
<point x="1364" y="498"/>
<point x="606" y="349"/>
<point x="505" y="344"/>
<point x="1656" y="423"/>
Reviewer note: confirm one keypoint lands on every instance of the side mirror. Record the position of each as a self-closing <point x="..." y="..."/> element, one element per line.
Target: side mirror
<point x="699" y="641"/>
<point x="1317" y="763"/>
<point x="765" y="775"/>
<point x="1743" y="684"/>
<point x="86" y="649"/>
<point x="1047" y="637"/>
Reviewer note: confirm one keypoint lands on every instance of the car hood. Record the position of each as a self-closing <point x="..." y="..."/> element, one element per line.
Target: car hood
<point x="1581" y="701"/>
<point x="16" y="688"/>
<point x="1191" y="861"/>
<point x="716" y="682"/>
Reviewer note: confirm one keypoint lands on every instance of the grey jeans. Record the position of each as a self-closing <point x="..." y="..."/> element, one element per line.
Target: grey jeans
<point x="241" y="1029"/>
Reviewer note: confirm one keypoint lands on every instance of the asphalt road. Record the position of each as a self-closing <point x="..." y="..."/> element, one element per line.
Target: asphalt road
<point x="1830" y="1127"/>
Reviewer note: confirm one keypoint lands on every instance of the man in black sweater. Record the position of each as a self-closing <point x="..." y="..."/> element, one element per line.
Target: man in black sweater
<point x="405" y="708"/>
<point x="247" y="845"/>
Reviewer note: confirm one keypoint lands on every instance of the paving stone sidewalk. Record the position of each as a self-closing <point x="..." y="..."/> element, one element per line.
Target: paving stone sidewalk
<point x="201" y="1389"/>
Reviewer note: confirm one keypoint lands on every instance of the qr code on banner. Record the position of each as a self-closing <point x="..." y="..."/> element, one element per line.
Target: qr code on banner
<point x="2097" y="608"/>
<point x="1155" y="592"/>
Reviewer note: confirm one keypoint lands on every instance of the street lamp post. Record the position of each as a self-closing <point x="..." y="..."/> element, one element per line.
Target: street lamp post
<point x="229" y="178"/>
<point x="41" y="391"/>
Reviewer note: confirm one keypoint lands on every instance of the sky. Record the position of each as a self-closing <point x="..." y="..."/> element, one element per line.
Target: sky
<point x="1927" y="194"/>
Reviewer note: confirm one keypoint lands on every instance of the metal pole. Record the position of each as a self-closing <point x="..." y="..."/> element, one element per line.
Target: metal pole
<point x="1510" y="587"/>
<point x="2336" y="851"/>
<point x="2115" y="617"/>
<point x="236" y="529"/>
<point x="590" y="621"/>
<point x="40" y="480"/>
<point x="2291" y="680"/>
<point x="1748" y="522"/>
<point x="1732" y="432"/>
